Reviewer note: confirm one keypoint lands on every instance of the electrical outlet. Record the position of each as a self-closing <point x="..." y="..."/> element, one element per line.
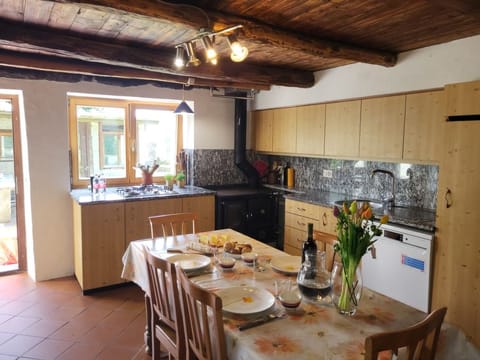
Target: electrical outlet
<point x="327" y="173"/>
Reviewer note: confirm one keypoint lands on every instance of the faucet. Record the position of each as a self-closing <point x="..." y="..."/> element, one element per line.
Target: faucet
<point x="388" y="202"/>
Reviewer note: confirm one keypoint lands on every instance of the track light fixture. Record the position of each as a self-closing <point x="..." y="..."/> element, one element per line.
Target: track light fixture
<point x="239" y="52"/>
<point x="207" y="39"/>
<point x="192" y="58"/>
<point x="179" y="58"/>
<point x="210" y="52"/>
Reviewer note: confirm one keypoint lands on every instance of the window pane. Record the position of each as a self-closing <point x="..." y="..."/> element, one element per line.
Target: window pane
<point x="156" y="140"/>
<point x="101" y="141"/>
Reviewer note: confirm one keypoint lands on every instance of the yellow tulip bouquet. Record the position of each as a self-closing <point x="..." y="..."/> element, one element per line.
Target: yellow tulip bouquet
<point x="355" y="233"/>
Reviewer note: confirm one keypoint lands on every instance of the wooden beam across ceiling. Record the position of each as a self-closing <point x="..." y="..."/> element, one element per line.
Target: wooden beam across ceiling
<point x="252" y="30"/>
<point x="70" y="66"/>
<point x="39" y="40"/>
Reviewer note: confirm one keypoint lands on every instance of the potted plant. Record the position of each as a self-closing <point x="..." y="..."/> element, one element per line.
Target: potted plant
<point x="169" y="181"/>
<point x="180" y="179"/>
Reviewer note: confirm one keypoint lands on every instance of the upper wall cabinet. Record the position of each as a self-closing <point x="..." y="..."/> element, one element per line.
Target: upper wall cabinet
<point x="311" y="129"/>
<point x="381" y="133"/>
<point x="424" y="123"/>
<point x="463" y="99"/>
<point x="263" y="122"/>
<point x="284" y="130"/>
<point x="342" y="128"/>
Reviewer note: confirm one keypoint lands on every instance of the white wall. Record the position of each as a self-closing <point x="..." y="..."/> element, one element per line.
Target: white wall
<point x="47" y="182"/>
<point x="428" y="68"/>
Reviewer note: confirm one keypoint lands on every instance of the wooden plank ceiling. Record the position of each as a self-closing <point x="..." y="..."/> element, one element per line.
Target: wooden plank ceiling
<point x="287" y="40"/>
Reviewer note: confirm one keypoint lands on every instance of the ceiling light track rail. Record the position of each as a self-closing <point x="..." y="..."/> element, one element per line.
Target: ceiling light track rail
<point x="207" y="39"/>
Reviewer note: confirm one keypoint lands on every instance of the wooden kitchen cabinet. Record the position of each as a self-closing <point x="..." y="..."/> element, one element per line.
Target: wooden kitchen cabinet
<point x="297" y="215"/>
<point x="311" y="129"/>
<point x="102" y="233"/>
<point x="382" y="127"/>
<point x="284" y="130"/>
<point x="137" y="225"/>
<point x="99" y="244"/>
<point x="424" y="121"/>
<point x="342" y="128"/>
<point x="457" y="246"/>
<point x="204" y="206"/>
<point x="263" y="122"/>
<point x="463" y="98"/>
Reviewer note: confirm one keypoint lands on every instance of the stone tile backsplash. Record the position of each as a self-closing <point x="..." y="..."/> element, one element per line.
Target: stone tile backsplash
<point x="214" y="167"/>
<point x="415" y="184"/>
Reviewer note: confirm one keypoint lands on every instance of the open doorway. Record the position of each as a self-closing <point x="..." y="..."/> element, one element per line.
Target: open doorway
<point x="12" y="229"/>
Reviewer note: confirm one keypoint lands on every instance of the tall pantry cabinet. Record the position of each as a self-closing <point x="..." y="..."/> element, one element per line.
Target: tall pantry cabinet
<point x="456" y="282"/>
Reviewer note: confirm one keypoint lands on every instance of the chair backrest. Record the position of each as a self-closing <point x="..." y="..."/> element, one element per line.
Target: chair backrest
<point x="167" y="323"/>
<point x="420" y="340"/>
<point x="172" y="224"/>
<point x="326" y="243"/>
<point x="203" y="321"/>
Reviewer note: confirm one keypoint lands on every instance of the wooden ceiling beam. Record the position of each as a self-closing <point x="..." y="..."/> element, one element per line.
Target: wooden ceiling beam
<point x="69" y="66"/>
<point x="39" y="40"/>
<point x="252" y="30"/>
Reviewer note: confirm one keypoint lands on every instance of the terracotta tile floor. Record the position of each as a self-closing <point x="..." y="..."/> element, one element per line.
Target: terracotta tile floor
<point x="53" y="320"/>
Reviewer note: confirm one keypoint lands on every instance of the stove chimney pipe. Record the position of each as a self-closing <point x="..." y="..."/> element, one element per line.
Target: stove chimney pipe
<point x="241" y="141"/>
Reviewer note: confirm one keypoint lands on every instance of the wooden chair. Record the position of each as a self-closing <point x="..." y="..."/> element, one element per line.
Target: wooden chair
<point x="166" y="320"/>
<point x="172" y="224"/>
<point x="326" y="243"/>
<point x="202" y="320"/>
<point x="420" y="340"/>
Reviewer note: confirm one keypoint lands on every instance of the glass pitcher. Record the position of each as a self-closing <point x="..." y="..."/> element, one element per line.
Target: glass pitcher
<point x="314" y="281"/>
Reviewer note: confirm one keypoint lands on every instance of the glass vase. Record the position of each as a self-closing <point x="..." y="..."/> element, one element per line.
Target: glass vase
<point x="347" y="288"/>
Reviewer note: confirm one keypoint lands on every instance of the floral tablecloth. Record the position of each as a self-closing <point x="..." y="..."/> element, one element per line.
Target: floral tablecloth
<point x="312" y="331"/>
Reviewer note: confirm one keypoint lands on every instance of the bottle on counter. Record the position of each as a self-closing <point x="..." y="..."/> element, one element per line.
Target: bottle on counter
<point x="309" y="249"/>
<point x="291" y="177"/>
<point x="285" y="174"/>
<point x="102" y="183"/>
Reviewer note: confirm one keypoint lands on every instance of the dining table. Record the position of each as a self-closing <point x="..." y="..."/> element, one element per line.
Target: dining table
<point x="313" y="330"/>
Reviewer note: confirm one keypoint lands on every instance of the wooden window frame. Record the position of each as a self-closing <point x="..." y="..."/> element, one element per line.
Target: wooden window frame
<point x="130" y="136"/>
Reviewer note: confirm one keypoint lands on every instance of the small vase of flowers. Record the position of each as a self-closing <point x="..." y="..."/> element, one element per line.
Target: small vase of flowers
<point x="355" y="235"/>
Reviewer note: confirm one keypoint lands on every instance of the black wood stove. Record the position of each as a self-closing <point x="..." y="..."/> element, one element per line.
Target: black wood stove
<point x="251" y="211"/>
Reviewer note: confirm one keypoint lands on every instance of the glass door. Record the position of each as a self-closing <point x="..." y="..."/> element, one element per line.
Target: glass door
<point x="12" y="239"/>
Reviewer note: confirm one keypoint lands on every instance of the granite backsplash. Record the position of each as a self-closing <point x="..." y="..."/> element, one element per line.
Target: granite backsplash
<point x="415" y="184"/>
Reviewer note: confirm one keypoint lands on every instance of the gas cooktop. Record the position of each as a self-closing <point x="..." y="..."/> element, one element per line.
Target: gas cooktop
<point x="145" y="190"/>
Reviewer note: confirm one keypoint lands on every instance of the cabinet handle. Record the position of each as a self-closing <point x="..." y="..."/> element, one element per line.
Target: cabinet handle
<point x="448" y="198"/>
<point x="299" y="240"/>
<point x="301" y="209"/>
<point x="324" y="219"/>
<point x="301" y="223"/>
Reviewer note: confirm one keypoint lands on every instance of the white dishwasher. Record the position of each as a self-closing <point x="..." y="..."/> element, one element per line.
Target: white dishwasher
<point x="400" y="266"/>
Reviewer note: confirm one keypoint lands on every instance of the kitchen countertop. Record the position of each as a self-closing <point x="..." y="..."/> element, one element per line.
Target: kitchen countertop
<point x="84" y="196"/>
<point x="418" y="218"/>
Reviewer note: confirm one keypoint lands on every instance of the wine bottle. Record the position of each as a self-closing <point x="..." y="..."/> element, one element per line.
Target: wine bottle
<point x="309" y="248"/>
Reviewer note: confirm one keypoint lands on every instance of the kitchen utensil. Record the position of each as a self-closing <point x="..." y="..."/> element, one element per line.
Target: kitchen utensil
<point x="277" y="314"/>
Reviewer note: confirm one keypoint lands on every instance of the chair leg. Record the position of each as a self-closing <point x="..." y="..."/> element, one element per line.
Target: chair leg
<point x="148" y="327"/>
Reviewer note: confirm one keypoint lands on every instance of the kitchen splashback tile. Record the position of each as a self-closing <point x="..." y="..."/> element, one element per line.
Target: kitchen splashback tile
<point x="215" y="167"/>
<point x="415" y="184"/>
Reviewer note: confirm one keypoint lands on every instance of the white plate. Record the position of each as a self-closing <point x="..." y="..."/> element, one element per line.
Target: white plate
<point x="245" y="299"/>
<point x="189" y="262"/>
<point x="287" y="264"/>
